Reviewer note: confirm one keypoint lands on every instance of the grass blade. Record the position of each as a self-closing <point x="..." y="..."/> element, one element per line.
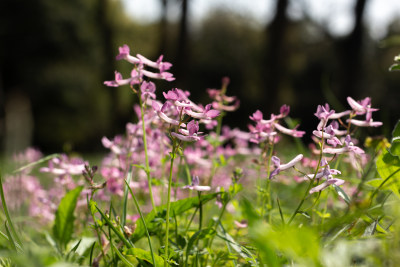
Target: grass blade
<point x="141" y="217"/>
<point x="49" y="157"/>
<point x="125" y="200"/>
<point x="119" y="254"/>
<point x="115" y="230"/>
<point x="10" y="238"/>
<point x="5" y="209"/>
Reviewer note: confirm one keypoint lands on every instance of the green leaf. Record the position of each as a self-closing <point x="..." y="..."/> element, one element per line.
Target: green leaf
<point x="84" y="244"/>
<point x="241" y="250"/>
<point x="143" y="255"/>
<point x="370" y="230"/>
<point x="388" y="167"/>
<point x="177" y="207"/>
<point x="64" y="221"/>
<point x="395" y="146"/>
<point x="196" y="236"/>
<point x="342" y="194"/>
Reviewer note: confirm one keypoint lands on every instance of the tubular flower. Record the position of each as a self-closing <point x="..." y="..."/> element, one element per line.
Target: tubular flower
<point x="191" y="133"/>
<point x="281" y="167"/>
<point x="349" y="147"/>
<point x="139" y="70"/>
<point x="265" y="129"/>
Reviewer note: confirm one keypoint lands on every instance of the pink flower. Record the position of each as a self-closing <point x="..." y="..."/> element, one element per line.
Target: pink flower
<point x="162" y="66"/>
<point x="281" y="167"/>
<point x="320" y="187"/>
<point x="160" y="112"/>
<point x="292" y="132"/>
<point x="190" y="134"/>
<point x="206" y="114"/>
<point x="147" y="89"/>
<point x="349" y="147"/>
<point x="241" y="224"/>
<point x="162" y="75"/>
<point x="257" y="116"/>
<point x="369" y="123"/>
<point x="124" y="54"/>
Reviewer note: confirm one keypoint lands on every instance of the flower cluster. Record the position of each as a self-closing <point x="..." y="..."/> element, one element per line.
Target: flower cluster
<point x="265" y="130"/>
<point x="137" y="73"/>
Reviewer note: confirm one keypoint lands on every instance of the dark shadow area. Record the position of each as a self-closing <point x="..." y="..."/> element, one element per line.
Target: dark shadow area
<point x="55" y="55"/>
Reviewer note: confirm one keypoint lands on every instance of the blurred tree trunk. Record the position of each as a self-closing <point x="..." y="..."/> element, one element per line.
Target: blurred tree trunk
<point x="275" y="58"/>
<point x="163" y="27"/>
<point x="182" y="54"/>
<point x="2" y="113"/>
<point x="117" y="118"/>
<point x="350" y="54"/>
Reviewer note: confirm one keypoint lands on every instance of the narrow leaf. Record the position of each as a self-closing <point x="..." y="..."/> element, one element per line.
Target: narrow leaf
<point x="49" y="157"/>
<point x="122" y="257"/>
<point x="342" y="194"/>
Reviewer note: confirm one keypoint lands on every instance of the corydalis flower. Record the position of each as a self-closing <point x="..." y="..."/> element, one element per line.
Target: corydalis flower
<point x="281" y="167"/>
<point x="137" y="73"/>
<point x="360" y="108"/>
<point x="196" y="185"/>
<point x="349" y="147"/>
<point x="190" y="134"/>
<point x="161" y="112"/>
<point x="264" y="129"/>
<point x="326" y="173"/>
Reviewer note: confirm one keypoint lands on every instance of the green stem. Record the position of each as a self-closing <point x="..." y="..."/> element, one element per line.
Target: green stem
<point x="190" y="221"/>
<point x="143" y="221"/>
<point x="200" y="210"/>
<point x="3" y="202"/>
<point x="147" y="170"/>
<point x="173" y="155"/>
<point x="267" y="197"/>
<point x="306" y="193"/>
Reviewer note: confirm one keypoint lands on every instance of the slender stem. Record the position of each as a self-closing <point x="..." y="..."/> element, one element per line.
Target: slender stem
<point x="143" y="221"/>
<point x="200" y="210"/>
<point x="308" y="188"/>
<point x="267" y="197"/>
<point x="173" y="154"/>
<point x="190" y="221"/>
<point x="147" y="170"/>
<point x="5" y="209"/>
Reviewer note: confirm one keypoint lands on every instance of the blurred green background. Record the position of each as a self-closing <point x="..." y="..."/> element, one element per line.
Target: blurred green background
<point x="55" y="55"/>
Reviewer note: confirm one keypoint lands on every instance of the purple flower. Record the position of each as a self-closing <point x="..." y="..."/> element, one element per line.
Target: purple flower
<point x="281" y="167"/>
<point x="161" y="113"/>
<point x="257" y="116"/>
<point x="206" y="114"/>
<point x="124" y="54"/>
<point x="190" y="134"/>
<point x="369" y="123"/>
<point x="292" y="132"/>
<point x="162" y="75"/>
<point x="162" y="66"/>
<point x="326" y="173"/>
<point x="148" y="89"/>
<point x="349" y="147"/>
<point x="196" y="185"/>
<point x="328" y="182"/>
